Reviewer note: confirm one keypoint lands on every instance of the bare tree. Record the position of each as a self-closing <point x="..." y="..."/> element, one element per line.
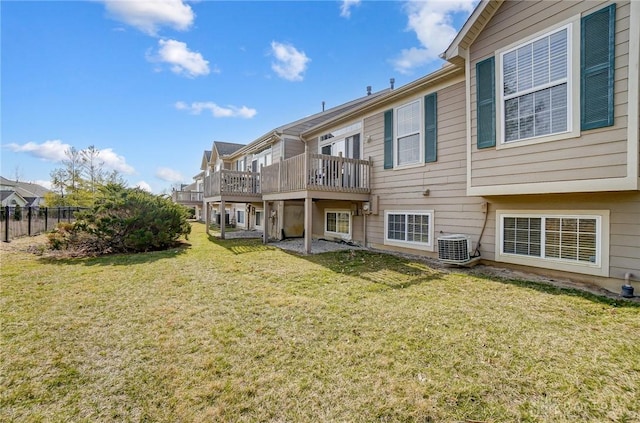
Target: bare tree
<point x="73" y="168"/>
<point x="58" y="181"/>
<point x="92" y="167"/>
<point x="17" y="173"/>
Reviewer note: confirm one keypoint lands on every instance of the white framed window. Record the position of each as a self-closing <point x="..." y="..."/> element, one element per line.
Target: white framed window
<point x="537" y="86"/>
<point x="411" y="229"/>
<point x="408" y="139"/>
<point x="337" y="223"/>
<point x="240" y="165"/>
<point x="240" y="217"/>
<point x="345" y="141"/>
<point x="572" y="241"/>
<point x="259" y="223"/>
<point x="263" y="158"/>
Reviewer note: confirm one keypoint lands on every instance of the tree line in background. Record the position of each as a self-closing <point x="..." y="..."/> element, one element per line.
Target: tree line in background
<point x="77" y="182"/>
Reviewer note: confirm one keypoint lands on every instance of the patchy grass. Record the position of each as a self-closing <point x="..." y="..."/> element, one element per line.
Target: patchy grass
<point x="241" y="332"/>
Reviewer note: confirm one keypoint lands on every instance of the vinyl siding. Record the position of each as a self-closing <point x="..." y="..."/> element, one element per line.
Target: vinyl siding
<point x="594" y="154"/>
<point x="624" y="226"/>
<point x="276" y="152"/>
<point x="293" y="147"/>
<point x="319" y="207"/>
<point x="402" y="189"/>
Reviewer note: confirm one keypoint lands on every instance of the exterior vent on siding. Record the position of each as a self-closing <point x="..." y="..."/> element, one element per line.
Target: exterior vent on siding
<point x="454" y="249"/>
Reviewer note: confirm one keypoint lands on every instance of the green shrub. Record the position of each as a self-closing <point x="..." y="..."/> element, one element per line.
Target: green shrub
<point x="125" y="220"/>
<point x="17" y="212"/>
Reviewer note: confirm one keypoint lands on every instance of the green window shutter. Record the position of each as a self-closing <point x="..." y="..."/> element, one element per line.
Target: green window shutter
<point x="430" y="128"/>
<point x="388" y="139"/>
<point x="597" y="45"/>
<point x="486" y="103"/>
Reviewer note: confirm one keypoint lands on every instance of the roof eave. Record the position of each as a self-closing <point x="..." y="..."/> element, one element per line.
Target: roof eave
<point x="442" y="73"/>
<point x="455" y="52"/>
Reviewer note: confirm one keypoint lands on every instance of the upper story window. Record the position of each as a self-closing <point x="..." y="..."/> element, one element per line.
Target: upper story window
<point x="344" y="141"/>
<point x="411" y="133"/>
<point x="535" y="87"/>
<point x="263" y="158"/>
<point x="408" y="140"/>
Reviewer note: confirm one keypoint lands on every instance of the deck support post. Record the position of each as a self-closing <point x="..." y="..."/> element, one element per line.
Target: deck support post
<point x="207" y="217"/>
<point x="223" y="215"/>
<point x="308" y="224"/>
<point x="266" y="223"/>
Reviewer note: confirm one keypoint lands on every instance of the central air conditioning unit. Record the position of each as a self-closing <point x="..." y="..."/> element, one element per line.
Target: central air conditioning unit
<point x="454" y="249"/>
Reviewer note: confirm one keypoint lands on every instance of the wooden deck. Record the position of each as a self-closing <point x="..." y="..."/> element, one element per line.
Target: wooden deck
<point x="187" y="198"/>
<point x="317" y="176"/>
<point x="232" y="185"/>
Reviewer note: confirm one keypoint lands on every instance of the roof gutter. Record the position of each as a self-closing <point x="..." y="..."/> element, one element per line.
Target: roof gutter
<point x="269" y="138"/>
<point x="433" y="78"/>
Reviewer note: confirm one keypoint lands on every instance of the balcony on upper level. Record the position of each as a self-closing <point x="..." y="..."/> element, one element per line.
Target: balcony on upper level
<point x="187" y="198"/>
<point x="317" y="176"/>
<point x="232" y="185"/>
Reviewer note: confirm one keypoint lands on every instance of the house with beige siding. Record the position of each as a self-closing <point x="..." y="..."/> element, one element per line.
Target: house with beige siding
<point x="552" y="134"/>
<point x="521" y="151"/>
<point x="525" y="145"/>
<point x="413" y="139"/>
<point x="251" y="184"/>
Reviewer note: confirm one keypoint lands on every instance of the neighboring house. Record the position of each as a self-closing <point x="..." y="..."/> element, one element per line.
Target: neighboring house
<point x="33" y="194"/>
<point x="414" y="139"/>
<point x="190" y="196"/>
<point x="242" y="188"/>
<point x="526" y="143"/>
<point x="216" y="166"/>
<point x="12" y="198"/>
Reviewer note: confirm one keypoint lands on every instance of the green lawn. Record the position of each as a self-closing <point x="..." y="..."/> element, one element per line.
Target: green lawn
<point x="233" y="331"/>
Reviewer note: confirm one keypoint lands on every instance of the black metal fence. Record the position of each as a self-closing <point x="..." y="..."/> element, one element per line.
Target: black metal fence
<point x="19" y="221"/>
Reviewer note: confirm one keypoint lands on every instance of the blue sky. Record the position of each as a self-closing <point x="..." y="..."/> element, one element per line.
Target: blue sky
<point x="152" y="83"/>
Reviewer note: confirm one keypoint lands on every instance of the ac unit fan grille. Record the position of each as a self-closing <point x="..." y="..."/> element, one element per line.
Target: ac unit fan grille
<point x="454" y="249"/>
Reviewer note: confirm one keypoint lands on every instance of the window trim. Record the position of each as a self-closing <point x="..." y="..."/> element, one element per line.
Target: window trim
<point x="411" y="244"/>
<point x="345" y="236"/>
<point x="266" y="154"/>
<point x="420" y="133"/>
<point x="599" y="268"/>
<point x="342" y="134"/>
<point x="573" y="85"/>
<point x="238" y="222"/>
<point x="255" y="219"/>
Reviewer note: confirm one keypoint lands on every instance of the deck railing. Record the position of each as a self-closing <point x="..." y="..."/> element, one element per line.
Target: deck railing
<point x="233" y="182"/>
<point x="187" y="196"/>
<point x="319" y="172"/>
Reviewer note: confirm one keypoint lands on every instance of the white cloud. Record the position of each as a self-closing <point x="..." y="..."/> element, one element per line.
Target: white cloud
<point x="432" y="21"/>
<point x="54" y="151"/>
<point x="149" y="15"/>
<point x="290" y="63"/>
<point x="143" y="185"/>
<point x="346" y="6"/>
<point x="217" y="111"/>
<point x="50" y="150"/>
<point x="182" y="60"/>
<point x="169" y="175"/>
<point x="114" y="161"/>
